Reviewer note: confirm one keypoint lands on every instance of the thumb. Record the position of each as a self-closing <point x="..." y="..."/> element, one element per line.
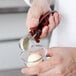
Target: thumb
<point x="33" y="16"/>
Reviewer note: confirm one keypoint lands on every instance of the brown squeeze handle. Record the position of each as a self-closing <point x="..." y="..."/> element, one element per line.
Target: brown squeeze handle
<point x="43" y="21"/>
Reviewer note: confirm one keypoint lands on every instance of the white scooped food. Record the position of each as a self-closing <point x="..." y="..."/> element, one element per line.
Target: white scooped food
<point x="34" y="59"/>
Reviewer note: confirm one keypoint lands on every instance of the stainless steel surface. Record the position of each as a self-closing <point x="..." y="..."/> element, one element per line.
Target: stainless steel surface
<point x="9" y="40"/>
<point x="14" y="10"/>
<point x="11" y="72"/>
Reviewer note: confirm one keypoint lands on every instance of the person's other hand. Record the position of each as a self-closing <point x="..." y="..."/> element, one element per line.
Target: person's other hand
<point x="38" y="8"/>
<point x="61" y="63"/>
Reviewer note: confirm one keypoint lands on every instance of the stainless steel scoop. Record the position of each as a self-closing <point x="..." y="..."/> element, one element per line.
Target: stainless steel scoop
<point x="24" y="42"/>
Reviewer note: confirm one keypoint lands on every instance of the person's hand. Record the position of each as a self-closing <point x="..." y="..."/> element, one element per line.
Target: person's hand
<point x="61" y="63"/>
<point x="38" y="8"/>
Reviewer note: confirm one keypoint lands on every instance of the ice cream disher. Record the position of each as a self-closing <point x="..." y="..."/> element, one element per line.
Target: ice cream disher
<point x="33" y="57"/>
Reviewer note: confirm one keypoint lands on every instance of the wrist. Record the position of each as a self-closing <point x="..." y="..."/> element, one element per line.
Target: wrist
<point x="40" y="1"/>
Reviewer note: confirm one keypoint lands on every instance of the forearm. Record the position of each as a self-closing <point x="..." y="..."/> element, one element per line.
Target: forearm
<point x="31" y="1"/>
<point x="49" y="1"/>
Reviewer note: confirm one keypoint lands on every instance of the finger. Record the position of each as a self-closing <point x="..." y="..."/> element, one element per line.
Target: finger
<point x="56" y="17"/>
<point x="33" y="17"/>
<point x="44" y="32"/>
<point x="30" y="71"/>
<point x="51" y="23"/>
